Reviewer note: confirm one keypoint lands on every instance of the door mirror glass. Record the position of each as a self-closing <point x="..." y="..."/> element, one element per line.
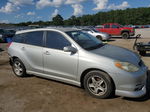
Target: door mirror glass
<point x="70" y="49"/>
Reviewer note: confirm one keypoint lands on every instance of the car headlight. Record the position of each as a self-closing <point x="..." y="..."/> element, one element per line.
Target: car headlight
<point x="126" y="66"/>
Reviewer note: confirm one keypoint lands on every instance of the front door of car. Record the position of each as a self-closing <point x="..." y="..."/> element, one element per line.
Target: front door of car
<point x="57" y="62"/>
<point x="115" y="30"/>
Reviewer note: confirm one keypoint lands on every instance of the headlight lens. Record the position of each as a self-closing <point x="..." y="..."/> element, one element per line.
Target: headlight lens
<point x="126" y="66"/>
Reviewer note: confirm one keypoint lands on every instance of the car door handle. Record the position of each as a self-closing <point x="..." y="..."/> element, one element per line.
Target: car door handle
<point x="46" y="53"/>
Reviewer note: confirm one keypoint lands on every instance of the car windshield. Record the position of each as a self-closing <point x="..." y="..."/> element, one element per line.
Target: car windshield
<point x="121" y="26"/>
<point x="95" y="30"/>
<point x="85" y="40"/>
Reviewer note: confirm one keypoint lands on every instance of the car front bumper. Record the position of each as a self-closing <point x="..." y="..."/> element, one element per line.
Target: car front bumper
<point x="132" y="94"/>
<point x="131" y="84"/>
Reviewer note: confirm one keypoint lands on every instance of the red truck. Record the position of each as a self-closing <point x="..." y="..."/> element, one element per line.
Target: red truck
<point x="116" y="29"/>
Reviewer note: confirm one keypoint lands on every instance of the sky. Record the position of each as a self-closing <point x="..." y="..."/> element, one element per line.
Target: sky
<point x="16" y="11"/>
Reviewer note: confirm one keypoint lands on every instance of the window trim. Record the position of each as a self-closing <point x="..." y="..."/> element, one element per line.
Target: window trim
<point x="24" y="40"/>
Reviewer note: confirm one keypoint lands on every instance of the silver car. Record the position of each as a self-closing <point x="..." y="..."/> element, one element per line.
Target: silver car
<point x="97" y="34"/>
<point x="75" y="57"/>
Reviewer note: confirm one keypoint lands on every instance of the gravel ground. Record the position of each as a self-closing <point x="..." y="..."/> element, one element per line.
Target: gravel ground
<point x="34" y="94"/>
<point x="145" y="32"/>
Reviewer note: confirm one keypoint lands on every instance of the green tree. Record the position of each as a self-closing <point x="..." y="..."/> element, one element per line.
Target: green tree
<point x="58" y="20"/>
<point x="134" y="16"/>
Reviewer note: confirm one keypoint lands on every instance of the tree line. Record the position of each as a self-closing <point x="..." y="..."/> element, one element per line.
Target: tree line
<point x="134" y="16"/>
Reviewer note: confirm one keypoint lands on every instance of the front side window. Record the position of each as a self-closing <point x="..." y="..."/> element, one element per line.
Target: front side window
<point x="56" y="40"/>
<point x="34" y="38"/>
<point x="85" y="40"/>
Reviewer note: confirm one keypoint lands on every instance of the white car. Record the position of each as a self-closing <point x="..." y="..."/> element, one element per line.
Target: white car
<point x="95" y="33"/>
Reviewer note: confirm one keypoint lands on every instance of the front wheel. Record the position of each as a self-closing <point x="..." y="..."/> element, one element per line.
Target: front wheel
<point x="98" y="84"/>
<point x="125" y="35"/>
<point x="99" y="37"/>
<point x="18" y="68"/>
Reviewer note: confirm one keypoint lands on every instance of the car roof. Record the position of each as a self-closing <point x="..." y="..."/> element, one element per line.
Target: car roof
<point x="48" y="29"/>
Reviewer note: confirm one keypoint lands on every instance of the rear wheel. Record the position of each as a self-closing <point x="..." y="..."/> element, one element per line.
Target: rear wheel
<point x="125" y="35"/>
<point x="98" y="84"/>
<point x="18" y="68"/>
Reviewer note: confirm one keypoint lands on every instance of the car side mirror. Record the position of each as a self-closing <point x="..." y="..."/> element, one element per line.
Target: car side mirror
<point x="70" y="49"/>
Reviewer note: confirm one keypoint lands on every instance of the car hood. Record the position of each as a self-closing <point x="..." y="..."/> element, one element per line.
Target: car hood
<point x="117" y="53"/>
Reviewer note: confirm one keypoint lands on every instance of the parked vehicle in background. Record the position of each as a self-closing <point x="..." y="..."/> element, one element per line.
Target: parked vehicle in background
<point x="99" y="26"/>
<point x="115" y="29"/>
<point x="11" y="31"/>
<point x="1" y="38"/>
<point x="6" y="34"/>
<point x="97" y="34"/>
<point x="75" y="57"/>
<point x="145" y="26"/>
<point x="1" y="35"/>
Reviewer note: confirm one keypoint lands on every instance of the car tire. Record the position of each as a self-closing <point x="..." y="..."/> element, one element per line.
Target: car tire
<point x="18" y="68"/>
<point x="142" y="53"/>
<point x="99" y="37"/>
<point x="125" y="35"/>
<point x="98" y="84"/>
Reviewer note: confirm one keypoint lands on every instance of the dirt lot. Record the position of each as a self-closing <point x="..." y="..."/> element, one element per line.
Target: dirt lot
<point x="34" y="94"/>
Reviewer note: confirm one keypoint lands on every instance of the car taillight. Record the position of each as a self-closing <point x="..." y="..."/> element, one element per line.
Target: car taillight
<point x="8" y="45"/>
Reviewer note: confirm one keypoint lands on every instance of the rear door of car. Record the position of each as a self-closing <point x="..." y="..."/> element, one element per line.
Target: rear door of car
<point x="32" y="50"/>
<point x="58" y="63"/>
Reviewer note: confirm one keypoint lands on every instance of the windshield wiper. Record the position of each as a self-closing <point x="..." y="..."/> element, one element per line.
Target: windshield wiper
<point x="95" y="47"/>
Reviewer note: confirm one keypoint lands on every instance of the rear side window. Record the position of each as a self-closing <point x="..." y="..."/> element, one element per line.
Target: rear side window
<point x="34" y="38"/>
<point x="115" y="26"/>
<point x="107" y="26"/>
<point x="56" y="40"/>
<point x="19" y="38"/>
